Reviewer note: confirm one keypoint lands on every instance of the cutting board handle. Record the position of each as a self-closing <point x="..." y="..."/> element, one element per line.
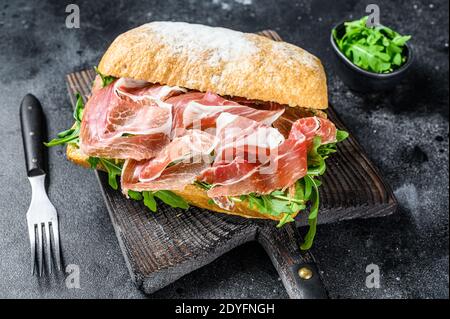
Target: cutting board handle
<point x="297" y="269"/>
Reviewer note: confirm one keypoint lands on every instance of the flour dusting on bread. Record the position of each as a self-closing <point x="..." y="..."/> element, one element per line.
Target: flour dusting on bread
<point x="291" y="53"/>
<point x="223" y="45"/>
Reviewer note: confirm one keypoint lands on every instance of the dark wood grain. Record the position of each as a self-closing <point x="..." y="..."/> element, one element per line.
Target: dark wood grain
<point x="161" y="247"/>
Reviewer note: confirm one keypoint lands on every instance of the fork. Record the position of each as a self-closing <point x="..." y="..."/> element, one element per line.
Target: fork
<point x="42" y="218"/>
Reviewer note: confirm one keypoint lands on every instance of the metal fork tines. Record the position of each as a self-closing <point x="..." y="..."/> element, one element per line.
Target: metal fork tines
<point x="43" y="230"/>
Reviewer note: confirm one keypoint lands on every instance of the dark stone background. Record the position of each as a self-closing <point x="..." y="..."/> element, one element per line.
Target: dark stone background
<point x="405" y="133"/>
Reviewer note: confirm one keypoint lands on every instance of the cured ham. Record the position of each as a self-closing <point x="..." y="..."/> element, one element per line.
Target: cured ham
<point x="283" y="163"/>
<point x="194" y="146"/>
<point x="185" y="156"/>
<point x="282" y="171"/>
<point x="202" y="109"/>
<point x="175" y="177"/>
<point x="314" y="126"/>
<point x="140" y="90"/>
<point x="244" y="139"/>
<point x="123" y="121"/>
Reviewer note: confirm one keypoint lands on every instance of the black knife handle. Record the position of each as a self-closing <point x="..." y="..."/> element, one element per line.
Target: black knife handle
<point x="297" y="269"/>
<point x="32" y="121"/>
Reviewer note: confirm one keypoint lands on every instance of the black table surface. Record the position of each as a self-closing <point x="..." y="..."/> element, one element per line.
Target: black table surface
<point x="405" y="133"/>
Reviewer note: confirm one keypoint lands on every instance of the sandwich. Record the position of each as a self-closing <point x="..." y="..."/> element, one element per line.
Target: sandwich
<point x="187" y="114"/>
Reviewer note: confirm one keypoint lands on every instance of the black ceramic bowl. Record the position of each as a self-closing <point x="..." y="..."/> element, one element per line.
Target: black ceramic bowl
<point x="361" y="80"/>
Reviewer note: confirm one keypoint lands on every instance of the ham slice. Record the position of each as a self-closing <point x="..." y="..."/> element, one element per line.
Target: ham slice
<point x="245" y="139"/>
<point x="123" y="122"/>
<point x="140" y="90"/>
<point x="175" y="177"/>
<point x="192" y="149"/>
<point x="244" y="145"/>
<point x="200" y="110"/>
<point x="280" y="172"/>
<point x="194" y="146"/>
<point x="314" y="126"/>
<point x="285" y="163"/>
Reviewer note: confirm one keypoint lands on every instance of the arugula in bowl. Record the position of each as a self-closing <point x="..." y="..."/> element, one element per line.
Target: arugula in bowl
<point x="377" y="49"/>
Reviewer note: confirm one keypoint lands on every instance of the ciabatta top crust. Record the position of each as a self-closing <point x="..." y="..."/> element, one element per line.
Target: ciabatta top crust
<point x="219" y="60"/>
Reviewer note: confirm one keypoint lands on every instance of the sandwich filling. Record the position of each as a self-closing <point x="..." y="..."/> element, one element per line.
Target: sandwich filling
<point x="159" y="139"/>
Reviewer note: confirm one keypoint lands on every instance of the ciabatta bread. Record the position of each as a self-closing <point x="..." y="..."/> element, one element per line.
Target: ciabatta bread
<point x="219" y="60"/>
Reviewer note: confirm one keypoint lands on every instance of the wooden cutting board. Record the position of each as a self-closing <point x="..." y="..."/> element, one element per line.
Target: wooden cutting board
<point x="161" y="247"/>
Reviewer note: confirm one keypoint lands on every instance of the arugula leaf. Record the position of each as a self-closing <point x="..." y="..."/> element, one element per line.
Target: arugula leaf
<point x="400" y="40"/>
<point x="369" y="57"/>
<point x="316" y="163"/>
<point x="341" y="135"/>
<point x="287" y="218"/>
<point x="149" y="200"/>
<point x="309" y="237"/>
<point x="276" y="203"/>
<point x="65" y="133"/>
<point x="377" y="49"/>
<point x="300" y="196"/>
<point x="79" y="108"/>
<point x="167" y="197"/>
<point x="171" y="199"/>
<point x="93" y="161"/>
<point x="106" y="79"/>
<point x="308" y="188"/>
<point x="314" y="210"/>
<point x="113" y="171"/>
<point x="275" y="206"/>
<point x="324" y="151"/>
<point x="71" y="135"/>
<point x="135" y="195"/>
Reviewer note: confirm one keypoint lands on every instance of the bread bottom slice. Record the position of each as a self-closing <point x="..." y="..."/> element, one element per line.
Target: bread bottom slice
<point x="192" y="194"/>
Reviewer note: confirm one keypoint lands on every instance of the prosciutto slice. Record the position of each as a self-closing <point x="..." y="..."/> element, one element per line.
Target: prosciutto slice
<point x="314" y="126"/>
<point x="192" y="149"/>
<point x="122" y="121"/>
<point x="175" y="177"/>
<point x="245" y="139"/>
<point x="140" y="90"/>
<point x="201" y="110"/>
<point x="280" y="172"/>
<point x="281" y="168"/>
